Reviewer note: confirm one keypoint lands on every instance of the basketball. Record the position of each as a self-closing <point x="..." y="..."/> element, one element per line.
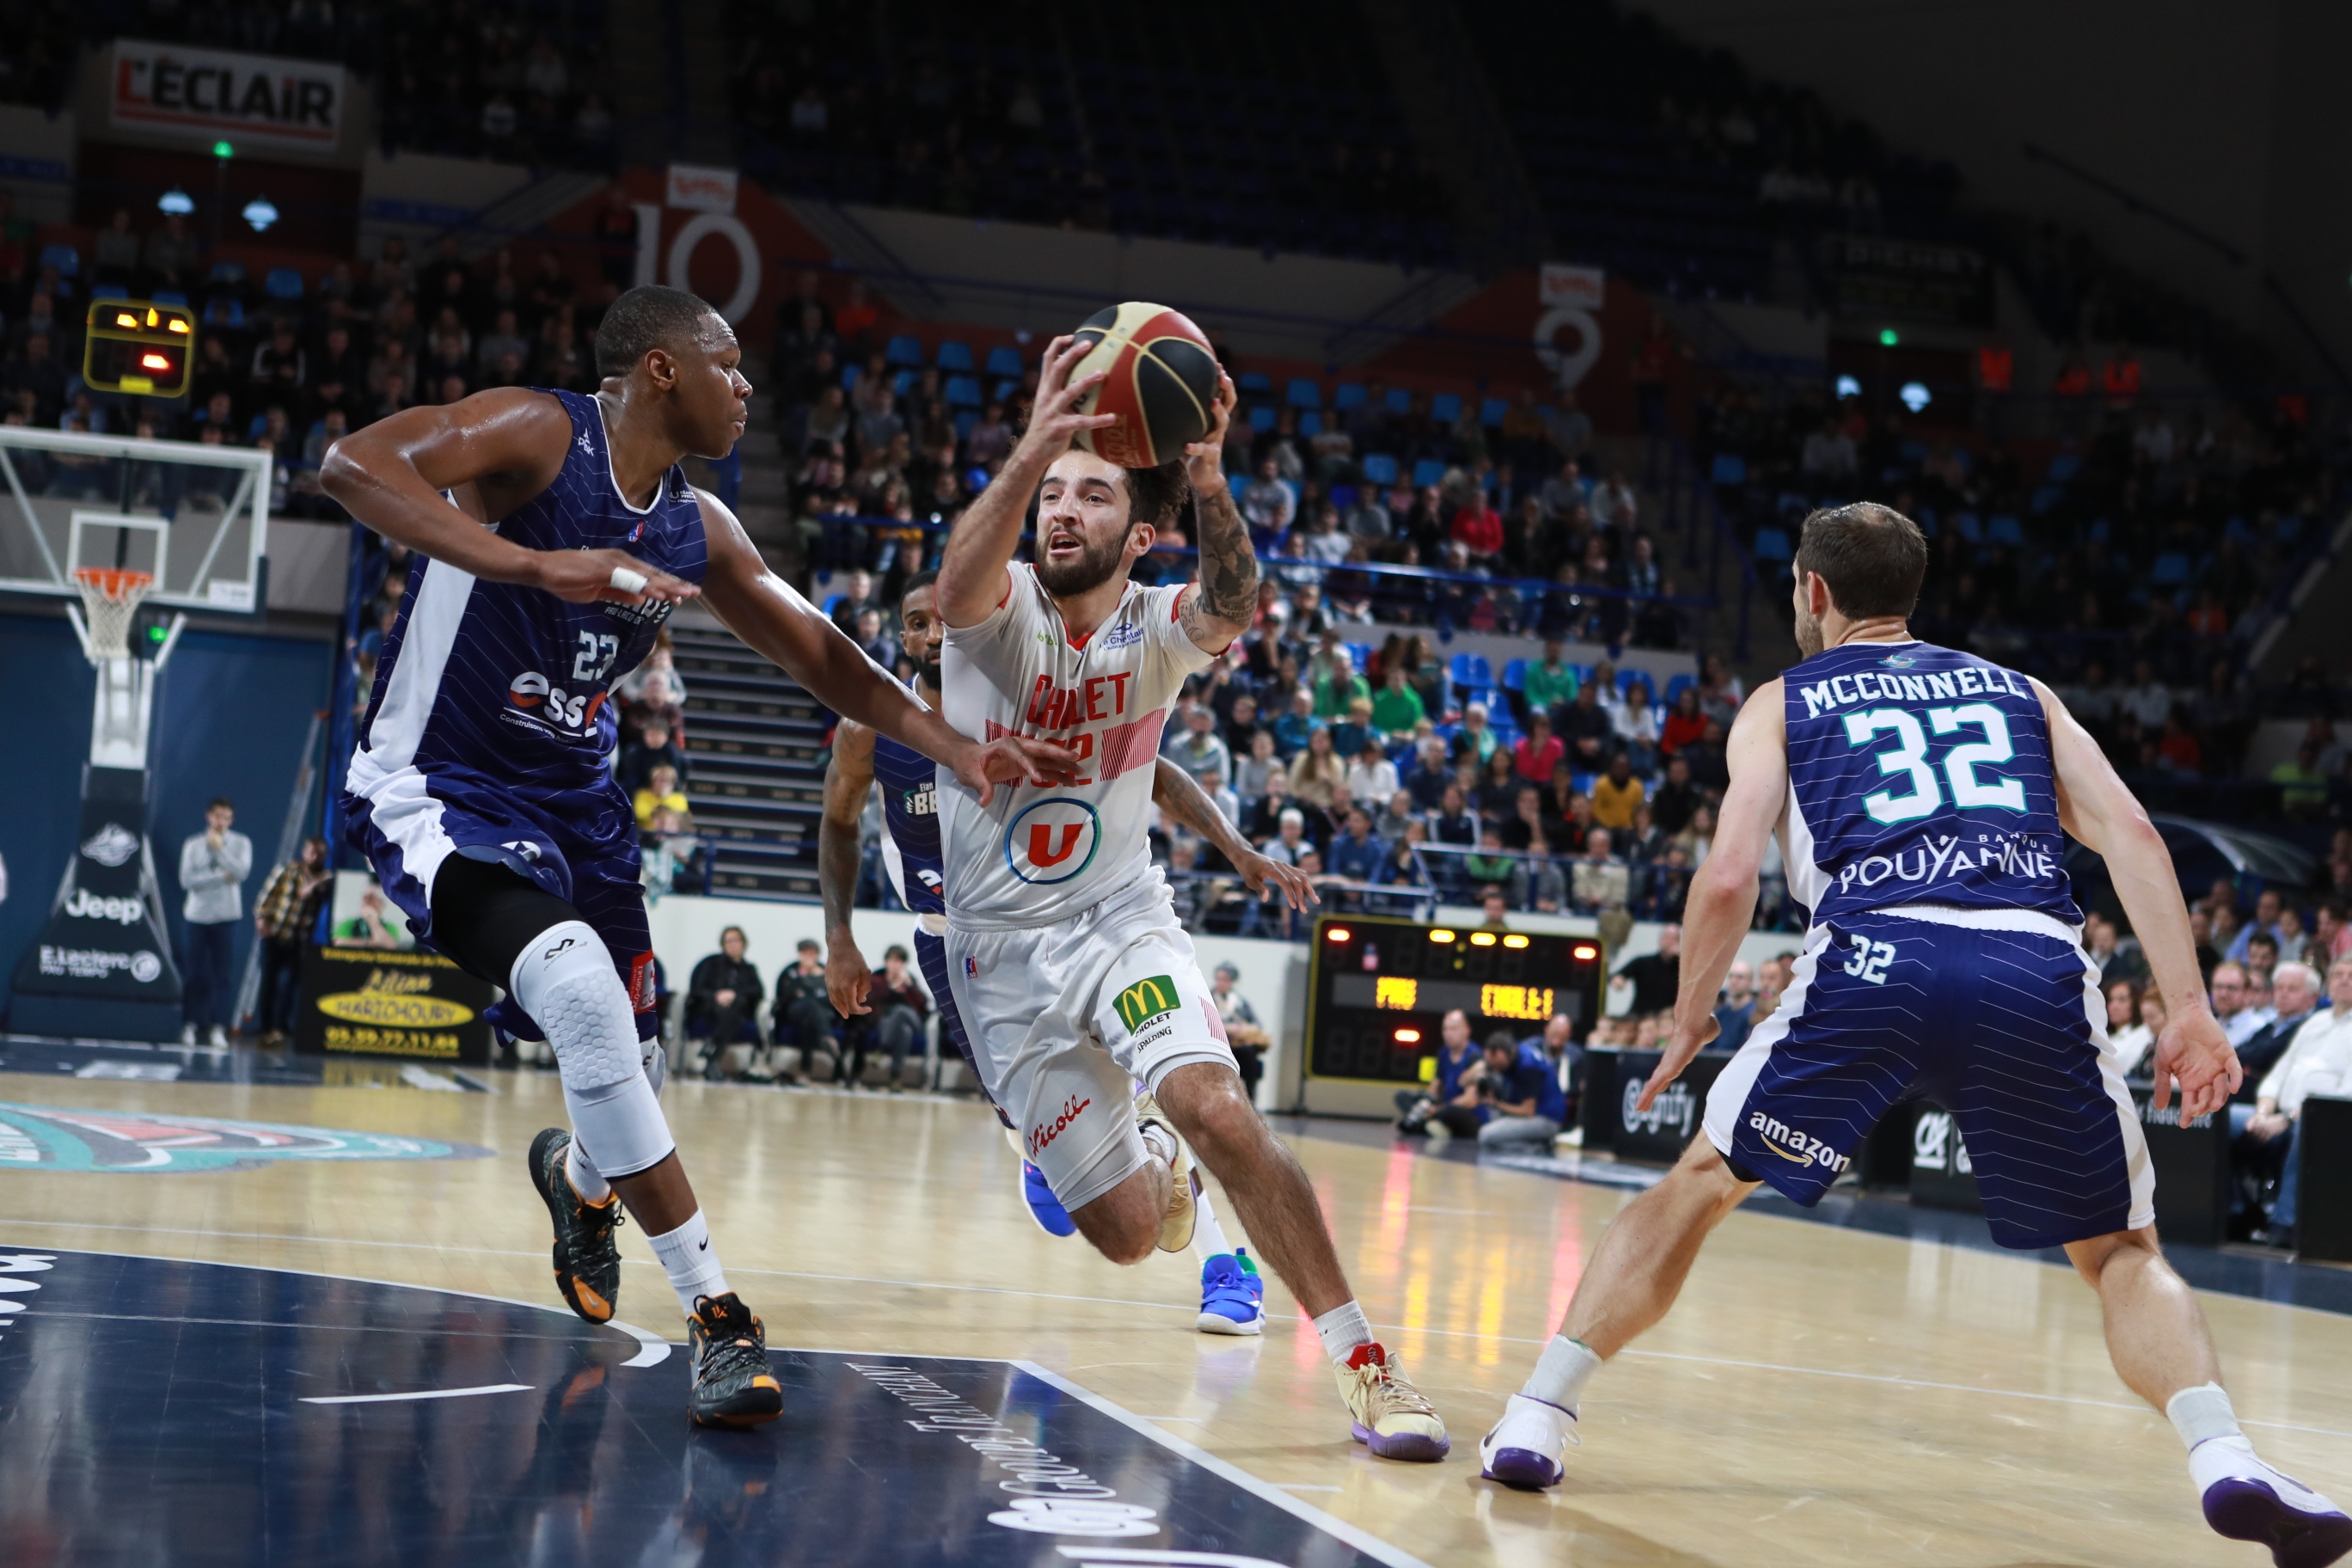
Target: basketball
<point x="1163" y="378"/>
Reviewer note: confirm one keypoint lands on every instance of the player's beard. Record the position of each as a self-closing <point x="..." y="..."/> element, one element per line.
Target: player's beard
<point x="1809" y="634"/>
<point x="1096" y="566"/>
<point x="928" y="673"/>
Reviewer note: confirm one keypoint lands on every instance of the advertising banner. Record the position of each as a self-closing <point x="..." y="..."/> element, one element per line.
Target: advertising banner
<point x="210" y="95"/>
<point x="104" y="945"/>
<point x="384" y="1002"/>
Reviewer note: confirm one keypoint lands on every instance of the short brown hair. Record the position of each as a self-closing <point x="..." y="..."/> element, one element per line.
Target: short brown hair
<point x="1156" y="495"/>
<point x="1872" y="557"/>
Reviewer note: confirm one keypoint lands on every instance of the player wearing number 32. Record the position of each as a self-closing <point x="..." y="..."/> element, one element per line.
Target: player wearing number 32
<point x="1064" y="952"/>
<point x="555" y="533"/>
<point x="1922" y="797"/>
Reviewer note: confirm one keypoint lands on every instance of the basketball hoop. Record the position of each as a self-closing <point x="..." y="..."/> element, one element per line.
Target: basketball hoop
<point x="110" y="596"/>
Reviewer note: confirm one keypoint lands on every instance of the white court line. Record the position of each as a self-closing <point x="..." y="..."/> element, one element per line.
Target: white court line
<point x="649" y="1341"/>
<point x="420" y="1393"/>
<point x="1363" y="1540"/>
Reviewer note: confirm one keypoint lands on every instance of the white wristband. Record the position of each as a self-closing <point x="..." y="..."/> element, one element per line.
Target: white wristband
<point x="628" y="582"/>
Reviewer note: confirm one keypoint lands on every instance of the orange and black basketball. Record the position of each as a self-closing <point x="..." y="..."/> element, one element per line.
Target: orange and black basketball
<point x="1163" y="377"/>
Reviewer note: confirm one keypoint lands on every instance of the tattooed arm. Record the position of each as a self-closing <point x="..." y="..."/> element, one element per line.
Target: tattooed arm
<point x="1218" y="608"/>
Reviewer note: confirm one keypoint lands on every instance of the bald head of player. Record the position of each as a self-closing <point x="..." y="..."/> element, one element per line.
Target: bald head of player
<point x="671" y="358"/>
<point x="1858" y="571"/>
<point x="1094" y="518"/>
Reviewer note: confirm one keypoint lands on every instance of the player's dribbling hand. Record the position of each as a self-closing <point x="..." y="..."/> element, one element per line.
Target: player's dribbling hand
<point x="847" y="981"/>
<point x="1054" y="419"/>
<point x="1014" y="759"/>
<point x="2193" y="1049"/>
<point x="1258" y="871"/>
<point x="585" y="578"/>
<point x="1204" y="459"/>
<point x="1685" y="1044"/>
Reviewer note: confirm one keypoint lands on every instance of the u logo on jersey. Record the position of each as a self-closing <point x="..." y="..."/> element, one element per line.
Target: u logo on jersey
<point x="1051" y="840"/>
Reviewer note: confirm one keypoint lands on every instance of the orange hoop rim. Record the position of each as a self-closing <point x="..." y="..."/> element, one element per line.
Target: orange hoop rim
<point x="114" y="584"/>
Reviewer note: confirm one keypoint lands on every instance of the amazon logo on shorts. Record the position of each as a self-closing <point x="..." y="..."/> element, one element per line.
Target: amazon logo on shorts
<point x="1053" y="840"/>
<point x="1144" y="1001"/>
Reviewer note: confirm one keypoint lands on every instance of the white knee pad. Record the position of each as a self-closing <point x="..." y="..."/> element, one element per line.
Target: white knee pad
<point x="566" y="980"/>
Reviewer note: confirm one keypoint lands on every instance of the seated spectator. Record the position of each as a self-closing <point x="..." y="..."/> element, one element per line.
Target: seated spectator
<point x="653" y="747"/>
<point x="1267" y="812"/>
<point x="1654" y="978"/>
<point x="2319" y="1060"/>
<point x="1617" y="794"/>
<point x="898" y="1006"/>
<point x="1356" y="851"/>
<point x="1735" y="1015"/>
<point x="1371" y="777"/>
<point x="1634" y="723"/>
<point x="1199" y="749"/>
<point x="1549" y="684"/>
<point x="1352" y="733"/>
<point x="1491" y="864"/>
<point x="2239" y="1020"/>
<point x="1247" y="1036"/>
<point x="1297" y="726"/>
<point x="2132" y="1031"/>
<point x="1494" y="910"/>
<point x="803" y="1011"/>
<point x="660" y="791"/>
<point x="1452" y="1089"/>
<point x="2295" y="994"/>
<point x="1454" y="823"/>
<point x="1585" y="729"/>
<point x="1475" y="741"/>
<point x="1540" y="885"/>
<point x="670" y="855"/>
<point x="722" y="999"/>
<point x="1520" y="1094"/>
<point x="1525" y="829"/>
<point x="1241" y="726"/>
<point x="1497" y="794"/>
<point x="1709" y="769"/>
<point x="1403" y="868"/>
<point x="1686" y="722"/>
<point x="1430" y="775"/>
<point x="1539" y="750"/>
<point x="1318" y="778"/>
<point x="1396" y="816"/>
<point x="1257" y="766"/>
<point x="1397" y="707"/>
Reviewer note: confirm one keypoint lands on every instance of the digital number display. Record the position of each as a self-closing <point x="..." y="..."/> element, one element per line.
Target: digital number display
<point x="1379" y="991"/>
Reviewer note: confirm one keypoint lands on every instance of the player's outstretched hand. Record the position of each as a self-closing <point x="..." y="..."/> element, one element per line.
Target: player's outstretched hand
<point x="847" y="981"/>
<point x="585" y="578"/>
<point x="1204" y="459"/>
<point x="1013" y="760"/>
<point x="1258" y="871"/>
<point x="2194" y="1049"/>
<point x="1054" y="418"/>
<point x="1687" y="1041"/>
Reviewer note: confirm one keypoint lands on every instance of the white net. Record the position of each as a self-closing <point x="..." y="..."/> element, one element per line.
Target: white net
<point x="110" y="601"/>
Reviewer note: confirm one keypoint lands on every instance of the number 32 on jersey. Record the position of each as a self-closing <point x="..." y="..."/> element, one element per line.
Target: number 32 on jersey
<point x="1908" y="759"/>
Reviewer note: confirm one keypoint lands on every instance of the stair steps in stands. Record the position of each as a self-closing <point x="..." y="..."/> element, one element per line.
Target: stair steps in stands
<point x="755" y="756"/>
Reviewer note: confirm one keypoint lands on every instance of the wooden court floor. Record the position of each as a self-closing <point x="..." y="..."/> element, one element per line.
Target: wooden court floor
<point x="1821" y="1396"/>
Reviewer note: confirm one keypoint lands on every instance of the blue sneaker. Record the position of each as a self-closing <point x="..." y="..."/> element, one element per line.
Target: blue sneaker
<point x="1233" y="1297"/>
<point x="1043" y="1206"/>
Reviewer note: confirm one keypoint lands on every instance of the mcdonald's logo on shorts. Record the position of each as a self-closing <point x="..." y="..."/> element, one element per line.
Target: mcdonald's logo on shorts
<point x="1144" y="1001"/>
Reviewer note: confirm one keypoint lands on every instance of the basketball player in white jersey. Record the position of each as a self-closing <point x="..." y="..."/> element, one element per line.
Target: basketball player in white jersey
<point x="1064" y="951"/>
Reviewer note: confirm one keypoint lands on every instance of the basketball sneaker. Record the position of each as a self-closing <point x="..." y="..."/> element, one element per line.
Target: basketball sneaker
<point x="1233" y="1297"/>
<point x="1528" y="1448"/>
<point x="2245" y="1499"/>
<point x="733" y="1383"/>
<point x="587" y="1260"/>
<point x="1176" y="1225"/>
<point x="1043" y="1206"/>
<point x="1391" y="1417"/>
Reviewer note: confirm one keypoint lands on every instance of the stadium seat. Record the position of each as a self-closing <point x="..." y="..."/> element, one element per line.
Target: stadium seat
<point x="954" y="356"/>
<point x="224" y="311"/>
<point x="1004" y="361"/>
<point x="169" y="297"/>
<point x="1400" y="401"/>
<point x="1445" y="407"/>
<point x="1303" y="394"/>
<point x="1491" y="412"/>
<point x="849" y="378"/>
<point x="1310" y="423"/>
<point x="903" y="382"/>
<point x="1380" y="469"/>
<point x="1583" y="782"/>
<point x="1358" y="653"/>
<point x="109" y="292"/>
<point x="2171" y="571"/>
<point x="64" y="257"/>
<point x="1351" y="395"/>
<point x="1677" y="685"/>
<point x="1253" y="384"/>
<point x="1514" y="674"/>
<point x="1730" y="469"/>
<point x="965" y="421"/>
<point x="904" y="351"/>
<point x="963" y="392"/>
<point x="1968" y="526"/>
<point x="227" y="273"/>
<point x="2004" y="529"/>
<point x="1427" y="472"/>
<point x="1772" y="544"/>
<point x="282" y="283"/>
<point x="1002" y="391"/>
<point x="1472" y="669"/>
<point x="1261" y="418"/>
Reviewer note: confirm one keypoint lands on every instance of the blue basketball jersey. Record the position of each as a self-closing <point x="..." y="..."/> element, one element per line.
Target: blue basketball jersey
<point x="507" y="683"/>
<point x="910" y="825"/>
<point x="1920" y="775"/>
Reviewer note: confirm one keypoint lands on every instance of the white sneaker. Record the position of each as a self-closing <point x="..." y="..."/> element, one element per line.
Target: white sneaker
<point x="187" y="1034"/>
<point x="1176" y="1225"/>
<point x="1529" y="1446"/>
<point x="1389" y="1414"/>
<point x="2246" y="1500"/>
<point x="1438" y="1132"/>
<point x="219" y="1039"/>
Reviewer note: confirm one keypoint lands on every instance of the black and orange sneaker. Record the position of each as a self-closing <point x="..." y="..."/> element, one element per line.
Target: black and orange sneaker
<point x="733" y="1383"/>
<point x="587" y="1259"/>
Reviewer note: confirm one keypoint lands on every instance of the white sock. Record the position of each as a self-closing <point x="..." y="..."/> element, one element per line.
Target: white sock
<point x="586" y="1179"/>
<point x="1161" y="1142"/>
<point x="2202" y="1414"/>
<point x="1342" y="1328"/>
<point x="1559" y="1373"/>
<point x="691" y="1263"/>
<point x="1208" y="1235"/>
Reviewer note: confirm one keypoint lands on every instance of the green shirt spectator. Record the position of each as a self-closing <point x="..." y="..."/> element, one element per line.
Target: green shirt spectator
<point x="1551" y="683"/>
<point x="1397" y="707"/>
<point x="1333" y="693"/>
<point x="2303" y="788"/>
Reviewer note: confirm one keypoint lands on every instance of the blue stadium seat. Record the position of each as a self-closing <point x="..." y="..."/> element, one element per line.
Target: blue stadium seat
<point x="1772" y="544"/>
<point x="1491" y="412"/>
<point x="225" y="272"/>
<point x="1677" y="685"/>
<point x="1514" y="674"/>
<point x="1002" y="391"/>
<point x="1427" y="472"/>
<point x="1380" y="469"/>
<point x="1968" y="526"/>
<point x="1445" y="407"/>
<point x="849" y="378"/>
<point x="963" y="392"/>
<point x="903" y="382"/>
<point x="1303" y="394"/>
<point x="2004" y="529"/>
<point x="224" y="312"/>
<point x="1261" y="418"/>
<point x="1004" y="361"/>
<point x="1583" y="782"/>
<point x="905" y="350"/>
<point x="1473" y="671"/>
<point x="1310" y="423"/>
<point x="64" y="257"/>
<point x="2171" y="571"/>
<point x="831" y="601"/>
<point x="109" y="292"/>
<point x="1400" y="401"/>
<point x="282" y="283"/>
<point x="1358" y="653"/>
<point x="1253" y="384"/>
<point x="1351" y="395"/>
<point x="169" y="297"/>
<point x="955" y="356"/>
<point x="965" y="421"/>
<point x="1730" y="469"/>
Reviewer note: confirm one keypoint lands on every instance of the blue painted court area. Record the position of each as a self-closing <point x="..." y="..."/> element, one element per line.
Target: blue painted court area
<point x="175" y="1414"/>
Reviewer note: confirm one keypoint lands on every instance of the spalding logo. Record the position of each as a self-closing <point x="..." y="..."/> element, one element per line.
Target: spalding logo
<point x="111" y="845"/>
<point x="1051" y="840"/>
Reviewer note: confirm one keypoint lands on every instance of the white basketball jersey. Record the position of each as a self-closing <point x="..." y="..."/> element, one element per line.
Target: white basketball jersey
<point x="1037" y="855"/>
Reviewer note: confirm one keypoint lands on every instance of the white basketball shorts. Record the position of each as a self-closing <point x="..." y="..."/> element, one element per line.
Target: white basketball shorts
<point x="1064" y="1018"/>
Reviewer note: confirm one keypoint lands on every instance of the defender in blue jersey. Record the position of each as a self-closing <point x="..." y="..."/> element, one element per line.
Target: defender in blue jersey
<point x="1922" y="797"/>
<point x="554" y="534"/>
<point x="1232" y="1294"/>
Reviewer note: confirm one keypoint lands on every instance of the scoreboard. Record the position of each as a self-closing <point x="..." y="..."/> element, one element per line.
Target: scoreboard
<point x="1379" y="989"/>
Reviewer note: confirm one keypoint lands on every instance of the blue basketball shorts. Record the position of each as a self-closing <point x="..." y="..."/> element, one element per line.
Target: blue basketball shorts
<point x="1994" y="1015"/>
<point x="578" y="844"/>
<point x="931" y="958"/>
